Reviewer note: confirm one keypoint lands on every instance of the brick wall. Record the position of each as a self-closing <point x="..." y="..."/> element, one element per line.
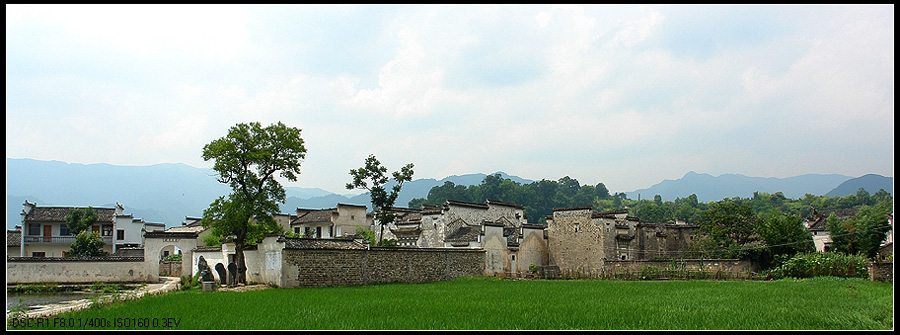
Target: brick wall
<point x="334" y="267"/>
<point x="881" y="271"/>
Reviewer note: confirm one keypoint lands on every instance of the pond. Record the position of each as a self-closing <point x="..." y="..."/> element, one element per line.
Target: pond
<point x="37" y="299"/>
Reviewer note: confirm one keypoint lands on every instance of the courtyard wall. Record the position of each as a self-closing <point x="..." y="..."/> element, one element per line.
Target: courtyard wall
<point x="76" y="270"/>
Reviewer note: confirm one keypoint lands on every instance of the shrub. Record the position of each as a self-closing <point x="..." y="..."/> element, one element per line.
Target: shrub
<point x="833" y="264"/>
<point x="173" y="258"/>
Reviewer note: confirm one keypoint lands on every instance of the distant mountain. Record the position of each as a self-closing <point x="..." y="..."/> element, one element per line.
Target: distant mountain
<point x="162" y="192"/>
<point x="870" y="182"/>
<point x="709" y="188"/>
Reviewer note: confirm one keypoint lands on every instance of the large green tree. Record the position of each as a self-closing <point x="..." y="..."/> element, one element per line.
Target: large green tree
<point x="248" y="159"/>
<point x="373" y="177"/>
<point x="87" y="243"/>
<point x="863" y="233"/>
<point x="784" y="236"/>
<point x="727" y="229"/>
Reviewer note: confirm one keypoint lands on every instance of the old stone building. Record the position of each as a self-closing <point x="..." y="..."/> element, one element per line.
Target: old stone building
<point x="581" y="240"/>
<point x="500" y="228"/>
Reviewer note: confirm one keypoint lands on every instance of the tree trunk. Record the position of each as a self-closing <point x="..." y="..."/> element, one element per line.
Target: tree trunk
<point x="241" y="277"/>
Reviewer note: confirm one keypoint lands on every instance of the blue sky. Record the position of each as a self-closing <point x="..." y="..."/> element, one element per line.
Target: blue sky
<point x="623" y="95"/>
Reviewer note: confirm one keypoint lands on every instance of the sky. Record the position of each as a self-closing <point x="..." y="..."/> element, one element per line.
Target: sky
<point x="623" y="95"/>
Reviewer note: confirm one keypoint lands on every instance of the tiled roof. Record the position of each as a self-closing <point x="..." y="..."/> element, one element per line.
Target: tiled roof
<point x="406" y="231"/>
<point x="818" y="220"/>
<point x="13" y="238"/>
<point x="186" y="229"/>
<point x="466" y="204"/>
<point x="504" y="203"/>
<point x="464" y="234"/>
<point x="58" y="214"/>
<point x="320" y="215"/>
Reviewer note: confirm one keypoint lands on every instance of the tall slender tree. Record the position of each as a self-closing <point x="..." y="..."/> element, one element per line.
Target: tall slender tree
<point x="373" y="177"/>
<point x="248" y="159"/>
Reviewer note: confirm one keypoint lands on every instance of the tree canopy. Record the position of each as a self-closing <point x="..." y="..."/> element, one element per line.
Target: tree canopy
<point x="248" y="159"/>
<point x="87" y="243"/>
<point x="373" y="177"/>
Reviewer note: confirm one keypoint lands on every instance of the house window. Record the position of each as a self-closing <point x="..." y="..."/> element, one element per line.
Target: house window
<point x="107" y="230"/>
<point x="34" y="229"/>
<point x="64" y="230"/>
<point x="296" y="230"/>
<point x="120" y="234"/>
<point x="318" y="232"/>
<point x="38" y="254"/>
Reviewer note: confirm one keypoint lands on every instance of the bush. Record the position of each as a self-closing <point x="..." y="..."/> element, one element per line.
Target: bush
<point x="806" y="265"/>
<point x="173" y="258"/>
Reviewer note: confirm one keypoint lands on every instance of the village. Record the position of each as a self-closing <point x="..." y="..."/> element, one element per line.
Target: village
<point x="457" y="239"/>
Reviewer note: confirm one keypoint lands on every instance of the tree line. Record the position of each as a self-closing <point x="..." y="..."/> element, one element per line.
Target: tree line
<point x="767" y="227"/>
<point x="540" y="197"/>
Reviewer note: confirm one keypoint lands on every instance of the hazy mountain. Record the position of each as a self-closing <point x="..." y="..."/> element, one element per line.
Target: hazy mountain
<point x="162" y="192"/>
<point x="709" y="188"/>
<point x="169" y="192"/>
<point x="870" y="182"/>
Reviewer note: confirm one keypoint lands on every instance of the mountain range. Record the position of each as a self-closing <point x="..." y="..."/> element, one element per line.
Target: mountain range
<point x="169" y="192"/>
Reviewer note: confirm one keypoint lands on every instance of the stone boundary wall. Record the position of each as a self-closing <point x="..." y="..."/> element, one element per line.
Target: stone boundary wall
<point x="337" y="267"/>
<point x="881" y="271"/>
<point x="713" y="268"/>
<point x="75" y="270"/>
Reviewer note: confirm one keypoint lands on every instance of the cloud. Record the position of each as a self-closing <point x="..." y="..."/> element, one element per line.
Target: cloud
<point x="624" y="95"/>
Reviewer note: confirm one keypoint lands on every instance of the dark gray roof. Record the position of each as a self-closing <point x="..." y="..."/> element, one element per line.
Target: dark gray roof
<point x="13" y="238"/>
<point x="818" y="220"/>
<point x="58" y="214"/>
<point x="320" y="215"/>
<point x="466" y="204"/>
<point x="464" y="234"/>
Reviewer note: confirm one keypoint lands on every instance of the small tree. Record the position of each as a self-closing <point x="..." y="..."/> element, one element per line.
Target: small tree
<point x="247" y="159"/>
<point x="382" y="200"/>
<point x="87" y="243"/>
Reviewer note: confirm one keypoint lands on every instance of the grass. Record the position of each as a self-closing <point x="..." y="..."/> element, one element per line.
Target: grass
<point x="487" y="303"/>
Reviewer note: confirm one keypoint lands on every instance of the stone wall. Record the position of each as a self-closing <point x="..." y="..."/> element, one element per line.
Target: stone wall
<point x="338" y="267"/>
<point x="77" y="270"/>
<point x="882" y="271"/>
<point x="576" y="244"/>
<point x="688" y="268"/>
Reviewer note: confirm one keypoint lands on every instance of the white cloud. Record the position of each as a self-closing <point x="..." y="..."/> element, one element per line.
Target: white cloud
<point x="612" y="94"/>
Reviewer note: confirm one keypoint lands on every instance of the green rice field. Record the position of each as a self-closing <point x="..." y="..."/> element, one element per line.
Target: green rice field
<point x="494" y="304"/>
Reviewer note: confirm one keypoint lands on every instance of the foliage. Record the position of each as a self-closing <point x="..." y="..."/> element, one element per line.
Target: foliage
<point x="538" y="198"/>
<point x="726" y="230"/>
<point x="248" y="159"/>
<point x="212" y="240"/>
<point x="784" y="235"/>
<point x="80" y="219"/>
<point x="87" y="244"/>
<point x="863" y="233"/>
<point x="173" y="258"/>
<point x="373" y="172"/>
<point x="806" y="265"/>
<point x="189" y="283"/>
<point x="367" y="234"/>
